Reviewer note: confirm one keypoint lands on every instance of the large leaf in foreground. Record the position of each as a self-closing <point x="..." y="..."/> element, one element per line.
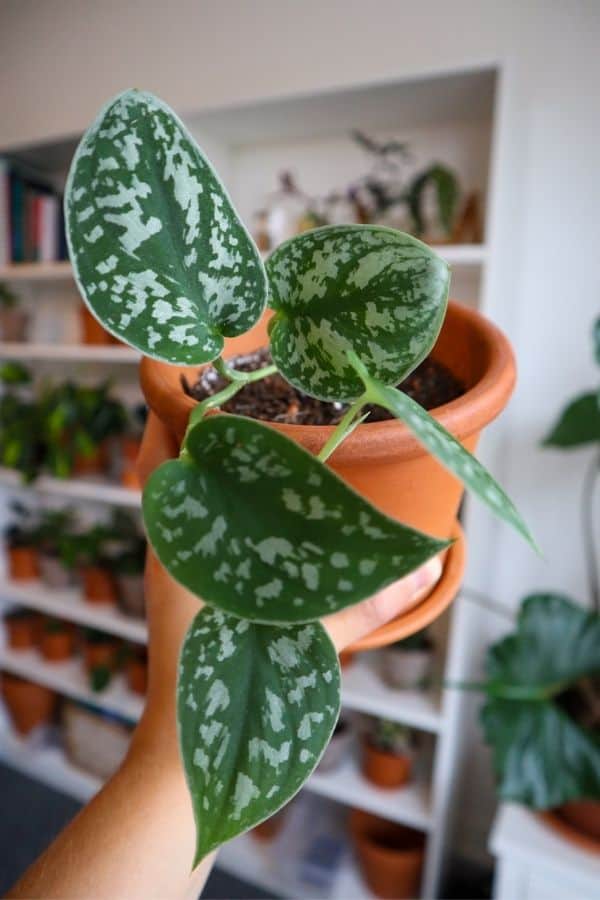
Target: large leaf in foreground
<point x="451" y="454"/>
<point x="255" y="525"/>
<point x="256" y="708"/>
<point x="578" y="423"/>
<point x="542" y="755"/>
<point x="362" y="288"/>
<point x="159" y="253"/>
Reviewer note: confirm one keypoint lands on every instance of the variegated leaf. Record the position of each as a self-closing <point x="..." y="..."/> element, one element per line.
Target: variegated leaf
<point x="158" y="251"/>
<point x="256" y="708"/>
<point x="255" y="525"/>
<point x="362" y="288"/>
<point x="451" y="454"/>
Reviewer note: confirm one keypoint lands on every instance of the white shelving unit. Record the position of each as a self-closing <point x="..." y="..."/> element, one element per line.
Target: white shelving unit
<point x="449" y="117"/>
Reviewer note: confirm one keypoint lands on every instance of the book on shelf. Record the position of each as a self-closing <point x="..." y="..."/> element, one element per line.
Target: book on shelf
<point x="32" y="225"/>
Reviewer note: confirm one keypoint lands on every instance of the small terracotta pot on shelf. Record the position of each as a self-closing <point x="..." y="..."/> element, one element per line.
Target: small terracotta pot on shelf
<point x="382" y="460"/>
<point x="23" y="563"/>
<point x="130" y="450"/>
<point x="29" y="704"/>
<point x="101" y="653"/>
<point x="57" y="643"/>
<point x="22" y="630"/>
<point x="390" y="855"/>
<point x="98" y="585"/>
<point x="94" y="464"/>
<point x="346" y="659"/>
<point x="92" y="331"/>
<point x="385" y="769"/>
<point x="13" y="324"/>
<point x="269" y="829"/>
<point x="136" y="671"/>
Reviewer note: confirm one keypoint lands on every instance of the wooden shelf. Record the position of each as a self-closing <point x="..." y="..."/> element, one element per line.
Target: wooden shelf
<point x="26" y="351"/>
<point x="37" y="271"/>
<point x="99" y="491"/>
<point x="68" y="604"/>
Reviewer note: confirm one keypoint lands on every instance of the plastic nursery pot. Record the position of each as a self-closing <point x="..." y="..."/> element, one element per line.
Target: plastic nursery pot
<point x="13" y="324"/>
<point x="98" y="585"/>
<point x="386" y="770"/>
<point x="53" y="573"/>
<point x="130" y="449"/>
<point x="390" y="855"/>
<point x="382" y="460"/>
<point x="92" y="331"/>
<point x="130" y="595"/>
<point x="23" y="563"/>
<point x="22" y="629"/>
<point x="29" y="704"/>
<point x="56" y="646"/>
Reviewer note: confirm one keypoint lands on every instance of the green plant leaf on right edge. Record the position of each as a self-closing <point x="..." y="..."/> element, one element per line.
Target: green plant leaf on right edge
<point x="363" y="288"/>
<point x="257" y="526"/>
<point x="596" y="340"/>
<point x="451" y="454"/>
<point x="542" y="755"/>
<point x="159" y="253"/>
<point x="256" y="708"/>
<point x="578" y="423"/>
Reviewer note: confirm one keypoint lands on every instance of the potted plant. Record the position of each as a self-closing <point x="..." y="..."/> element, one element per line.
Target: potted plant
<point x="338" y="747"/>
<point x="20" y="444"/>
<point x="54" y="538"/>
<point x="262" y="530"/>
<point x="92" y="550"/>
<point x="100" y="655"/>
<point x="19" y="538"/>
<point x="387" y="754"/>
<point x="390" y="855"/>
<point x="136" y="670"/>
<point x="13" y="318"/>
<point x="22" y="628"/>
<point x="407" y="664"/>
<point x="129" y="446"/>
<point x="29" y="704"/>
<point x="57" y="640"/>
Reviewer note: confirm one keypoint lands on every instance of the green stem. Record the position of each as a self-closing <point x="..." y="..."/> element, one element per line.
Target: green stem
<point x="345" y="427"/>
<point x="238" y="381"/>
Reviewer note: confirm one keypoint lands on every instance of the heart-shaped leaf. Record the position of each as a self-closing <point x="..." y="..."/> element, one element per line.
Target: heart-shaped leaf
<point x="543" y="756"/>
<point x="579" y="423"/>
<point x="255" y="525"/>
<point x="451" y="454"/>
<point x="256" y="708"/>
<point x="362" y="288"/>
<point x="158" y="251"/>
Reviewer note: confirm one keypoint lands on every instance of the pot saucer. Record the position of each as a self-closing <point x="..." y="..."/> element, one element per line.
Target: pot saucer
<point x="427" y="610"/>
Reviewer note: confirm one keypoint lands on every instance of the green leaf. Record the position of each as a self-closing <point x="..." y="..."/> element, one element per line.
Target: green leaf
<point x="256" y="708"/>
<point x="450" y="453"/>
<point x="542" y="755"/>
<point x="446" y="188"/>
<point x="159" y="253"/>
<point x="579" y="423"/>
<point x="362" y="288"/>
<point x="255" y="525"/>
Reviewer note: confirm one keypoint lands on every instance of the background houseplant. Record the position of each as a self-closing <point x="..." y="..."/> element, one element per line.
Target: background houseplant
<point x="387" y="754"/>
<point x="20" y="542"/>
<point x="177" y="301"/>
<point x="20" y="440"/>
<point x="55" y="541"/>
<point x="408" y="663"/>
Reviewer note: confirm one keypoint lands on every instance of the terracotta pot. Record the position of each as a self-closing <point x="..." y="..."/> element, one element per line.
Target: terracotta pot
<point x="130" y="595"/>
<point x="98" y="585"/>
<point x="95" y="464"/>
<point x="346" y="659"/>
<point x="382" y="460"/>
<point x="386" y="770"/>
<point x="137" y="676"/>
<point x="100" y="655"/>
<point x="13" y="324"/>
<point x="270" y="828"/>
<point x="406" y="669"/>
<point x="22" y="631"/>
<point x="583" y="815"/>
<point x="92" y="331"/>
<point x="23" y="563"/>
<point x="29" y="704"/>
<point x="53" y="573"/>
<point x="390" y="855"/>
<point x="130" y="449"/>
<point x="56" y="646"/>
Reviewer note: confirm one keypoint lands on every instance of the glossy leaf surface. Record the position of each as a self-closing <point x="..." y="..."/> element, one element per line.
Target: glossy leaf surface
<point x="255" y="525"/>
<point x="256" y="708"/>
<point x="159" y="253"/>
<point x="362" y="288"/>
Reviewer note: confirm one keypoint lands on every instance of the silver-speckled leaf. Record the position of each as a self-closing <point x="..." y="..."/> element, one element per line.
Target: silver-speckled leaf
<point x="256" y="708"/>
<point x="158" y="251"/>
<point x="452" y="455"/>
<point x="373" y="290"/>
<point x="258" y="527"/>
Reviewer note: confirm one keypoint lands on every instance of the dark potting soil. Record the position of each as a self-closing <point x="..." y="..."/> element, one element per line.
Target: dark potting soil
<point x="272" y="399"/>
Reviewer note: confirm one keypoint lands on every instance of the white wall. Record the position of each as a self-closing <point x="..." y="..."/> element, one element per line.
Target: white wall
<point x="60" y="59"/>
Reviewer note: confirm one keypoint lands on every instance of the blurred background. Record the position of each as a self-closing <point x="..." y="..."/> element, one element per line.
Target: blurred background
<point x="473" y="125"/>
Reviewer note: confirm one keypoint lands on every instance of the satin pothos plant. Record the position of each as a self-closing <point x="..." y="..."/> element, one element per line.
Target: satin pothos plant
<point x="268" y="536"/>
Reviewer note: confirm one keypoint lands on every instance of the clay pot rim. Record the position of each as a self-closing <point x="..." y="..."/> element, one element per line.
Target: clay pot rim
<point x="373" y="748"/>
<point x="357" y="821"/>
<point x="569" y="832"/>
<point x="464" y="416"/>
<point x="428" y="609"/>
